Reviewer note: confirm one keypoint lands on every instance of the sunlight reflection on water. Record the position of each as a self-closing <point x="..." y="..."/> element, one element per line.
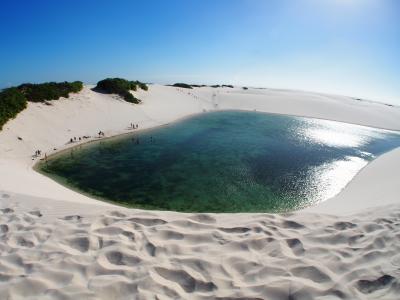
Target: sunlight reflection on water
<point x="330" y="178"/>
<point x="338" y="134"/>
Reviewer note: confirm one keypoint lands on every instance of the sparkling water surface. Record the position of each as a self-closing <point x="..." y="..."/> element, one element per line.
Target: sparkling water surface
<point x="227" y="161"/>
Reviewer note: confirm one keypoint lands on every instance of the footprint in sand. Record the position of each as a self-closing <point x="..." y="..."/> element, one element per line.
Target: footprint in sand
<point x="148" y="221"/>
<point x="185" y="280"/>
<point x="296" y="245"/>
<point x="3" y="228"/>
<point x="370" y="286"/>
<point x="36" y="213"/>
<point x="121" y="258"/>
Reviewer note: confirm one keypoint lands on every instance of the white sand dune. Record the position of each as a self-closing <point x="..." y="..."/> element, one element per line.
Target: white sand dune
<point x="58" y="244"/>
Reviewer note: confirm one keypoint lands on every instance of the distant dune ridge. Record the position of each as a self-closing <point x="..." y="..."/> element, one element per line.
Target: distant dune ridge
<point x="58" y="244"/>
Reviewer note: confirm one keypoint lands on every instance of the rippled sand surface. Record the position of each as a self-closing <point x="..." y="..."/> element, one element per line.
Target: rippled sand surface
<point x="127" y="254"/>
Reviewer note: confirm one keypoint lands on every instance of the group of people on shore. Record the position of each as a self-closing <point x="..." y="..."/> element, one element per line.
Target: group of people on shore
<point x="38" y="153"/>
<point x="79" y="139"/>
<point x="76" y="139"/>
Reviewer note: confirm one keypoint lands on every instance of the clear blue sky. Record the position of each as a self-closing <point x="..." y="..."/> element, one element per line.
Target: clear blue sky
<point x="349" y="47"/>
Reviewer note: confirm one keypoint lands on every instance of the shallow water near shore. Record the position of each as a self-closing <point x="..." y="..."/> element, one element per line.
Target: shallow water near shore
<point x="227" y="161"/>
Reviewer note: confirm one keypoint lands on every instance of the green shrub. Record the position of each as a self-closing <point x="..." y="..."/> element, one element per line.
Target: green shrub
<point x="12" y="101"/>
<point x="182" y="85"/>
<point x="143" y="86"/>
<point x="76" y="86"/>
<point x="49" y="90"/>
<point x="215" y="86"/>
<point x="121" y="87"/>
<point x="228" y="86"/>
<point x="128" y="97"/>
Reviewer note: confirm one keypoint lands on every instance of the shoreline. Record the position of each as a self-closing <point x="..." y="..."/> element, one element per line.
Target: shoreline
<point x="66" y="147"/>
<point x="72" y="146"/>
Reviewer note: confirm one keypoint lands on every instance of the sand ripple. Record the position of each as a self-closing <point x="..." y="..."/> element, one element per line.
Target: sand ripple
<point x="150" y="255"/>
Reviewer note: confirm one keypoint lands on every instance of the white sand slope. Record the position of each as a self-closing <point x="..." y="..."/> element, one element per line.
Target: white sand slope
<point x="58" y="244"/>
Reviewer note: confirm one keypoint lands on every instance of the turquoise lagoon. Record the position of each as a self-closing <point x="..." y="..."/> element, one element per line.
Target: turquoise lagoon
<point x="226" y="161"/>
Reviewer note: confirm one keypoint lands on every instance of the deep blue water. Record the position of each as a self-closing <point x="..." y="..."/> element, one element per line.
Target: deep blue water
<point x="229" y="161"/>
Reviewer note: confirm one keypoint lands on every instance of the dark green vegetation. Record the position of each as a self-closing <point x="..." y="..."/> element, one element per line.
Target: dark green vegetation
<point x="121" y="87"/>
<point x="182" y="85"/>
<point x="226" y="161"/>
<point x="49" y="90"/>
<point x="13" y="100"/>
<point x="190" y="86"/>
